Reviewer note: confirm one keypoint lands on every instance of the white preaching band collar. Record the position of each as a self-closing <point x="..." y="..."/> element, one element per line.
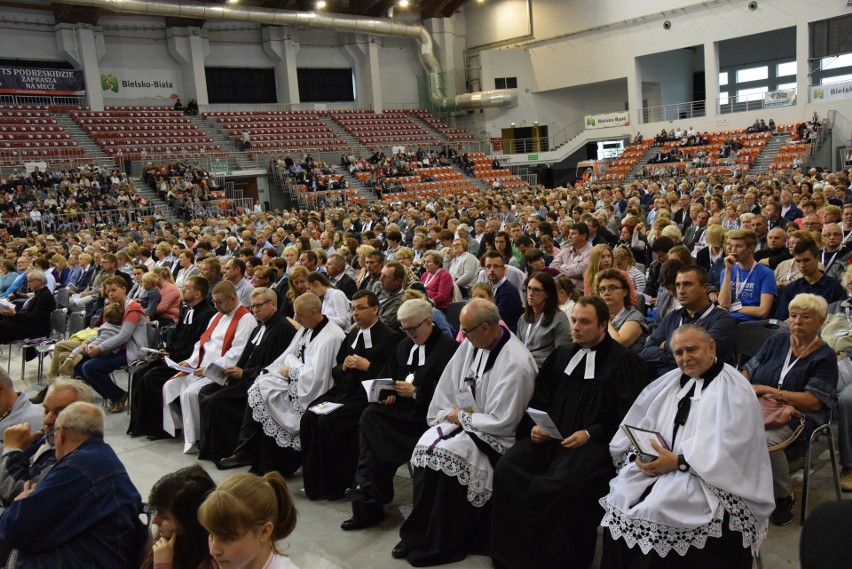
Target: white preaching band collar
<point x="421" y="357"/>
<point x="589" y="354"/>
<point x="187" y="318"/>
<point x="480" y="361"/>
<point x="259" y="336"/>
<point x="368" y="339"/>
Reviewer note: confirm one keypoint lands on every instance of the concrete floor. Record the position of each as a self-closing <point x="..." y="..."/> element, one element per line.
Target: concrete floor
<point x="318" y="542"/>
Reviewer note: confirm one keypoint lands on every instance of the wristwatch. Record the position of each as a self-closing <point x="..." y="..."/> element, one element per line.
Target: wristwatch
<point x="682" y="465"/>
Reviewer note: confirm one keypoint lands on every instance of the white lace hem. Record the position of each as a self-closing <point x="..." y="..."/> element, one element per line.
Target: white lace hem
<point x="441" y="460"/>
<point x="271" y="428"/>
<point x="466" y="420"/>
<point x="662" y="538"/>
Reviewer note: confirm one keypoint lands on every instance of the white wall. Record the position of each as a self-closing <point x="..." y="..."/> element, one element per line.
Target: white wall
<point x="399" y="69"/>
<point x="237" y="48"/>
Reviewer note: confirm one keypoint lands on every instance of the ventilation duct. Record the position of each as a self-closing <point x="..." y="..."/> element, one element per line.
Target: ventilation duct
<point x="320" y="21"/>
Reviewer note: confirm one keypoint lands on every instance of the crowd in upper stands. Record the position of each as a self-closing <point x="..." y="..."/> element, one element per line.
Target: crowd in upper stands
<point x="476" y="306"/>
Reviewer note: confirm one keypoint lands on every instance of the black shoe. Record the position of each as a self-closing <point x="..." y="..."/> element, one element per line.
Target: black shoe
<point x="401" y="550"/>
<point x="38" y="398"/>
<point x="161" y="437"/>
<point x="783" y="513"/>
<point x="233" y="461"/>
<point x="354" y="523"/>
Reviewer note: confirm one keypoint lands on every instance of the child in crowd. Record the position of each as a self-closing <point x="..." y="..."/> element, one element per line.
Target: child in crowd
<point x="150" y="297"/>
<point x="112" y="315"/>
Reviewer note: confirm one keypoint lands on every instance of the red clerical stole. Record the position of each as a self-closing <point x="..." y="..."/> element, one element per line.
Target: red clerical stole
<point x="229" y="334"/>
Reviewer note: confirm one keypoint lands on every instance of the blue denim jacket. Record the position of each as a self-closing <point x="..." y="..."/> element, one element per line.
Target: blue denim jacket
<point x="83" y="515"/>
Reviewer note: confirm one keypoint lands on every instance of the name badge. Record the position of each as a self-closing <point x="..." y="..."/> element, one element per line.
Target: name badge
<point x="409" y="378"/>
<point x="736" y="306"/>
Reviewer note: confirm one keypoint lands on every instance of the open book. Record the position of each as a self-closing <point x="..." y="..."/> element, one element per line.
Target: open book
<point x="641" y="439"/>
<point x="378" y="389"/>
<point x="213" y="372"/>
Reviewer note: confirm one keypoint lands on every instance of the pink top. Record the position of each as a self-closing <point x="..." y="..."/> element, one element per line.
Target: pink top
<point x="169" y="306"/>
<point x="439" y="287"/>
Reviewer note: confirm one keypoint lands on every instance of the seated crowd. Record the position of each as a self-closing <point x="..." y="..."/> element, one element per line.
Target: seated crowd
<point x="602" y="307"/>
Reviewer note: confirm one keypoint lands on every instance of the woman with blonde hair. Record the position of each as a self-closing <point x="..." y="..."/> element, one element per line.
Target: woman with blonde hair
<point x="61" y="270"/>
<point x="244" y="517"/>
<point x="712" y="257"/>
<point x="361" y="255"/>
<point x="297" y="285"/>
<point x="623" y="260"/>
<point x="601" y="259"/>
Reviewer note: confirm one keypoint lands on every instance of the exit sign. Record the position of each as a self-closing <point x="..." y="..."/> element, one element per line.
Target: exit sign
<point x="532" y="156"/>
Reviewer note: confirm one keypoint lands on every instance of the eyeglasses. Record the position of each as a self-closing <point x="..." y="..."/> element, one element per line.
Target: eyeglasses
<point x="256" y="306"/>
<point x="413" y="329"/>
<point x="611" y="288"/>
<point x="469" y="331"/>
<point x="532" y="290"/>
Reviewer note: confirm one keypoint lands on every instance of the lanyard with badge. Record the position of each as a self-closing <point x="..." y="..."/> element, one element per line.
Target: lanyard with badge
<point x="845" y="331"/>
<point x="700" y="318"/>
<point x="531" y="330"/>
<point x="738" y="289"/>
<point x="788" y="365"/>
<point x="830" y="261"/>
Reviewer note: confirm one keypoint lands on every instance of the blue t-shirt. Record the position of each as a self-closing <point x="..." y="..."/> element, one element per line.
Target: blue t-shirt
<point x="748" y="285"/>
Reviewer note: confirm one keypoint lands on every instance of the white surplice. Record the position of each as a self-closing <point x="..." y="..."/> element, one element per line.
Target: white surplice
<point x="502" y="394"/>
<point x="278" y="402"/>
<point x="724" y="443"/>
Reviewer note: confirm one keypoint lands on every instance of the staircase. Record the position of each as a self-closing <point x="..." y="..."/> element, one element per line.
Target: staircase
<point x="154" y="199"/>
<point x="639" y="169"/>
<point x="83" y="140"/>
<point x="769" y="152"/>
<point x="427" y="129"/>
<point x="357" y="148"/>
<point x="237" y="159"/>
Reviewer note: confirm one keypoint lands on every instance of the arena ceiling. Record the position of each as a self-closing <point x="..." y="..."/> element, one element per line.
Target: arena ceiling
<point x="65" y="13"/>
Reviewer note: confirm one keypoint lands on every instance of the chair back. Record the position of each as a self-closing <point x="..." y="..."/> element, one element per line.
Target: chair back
<point x="454" y="314"/>
<point x="752" y="335"/>
<point x="152" y="330"/>
<point x="58" y="323"/>
<point x="76" y="322"/>
<point x="63" y="297"/>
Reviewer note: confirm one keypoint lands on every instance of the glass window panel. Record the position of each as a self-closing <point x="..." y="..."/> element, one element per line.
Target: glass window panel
<point x="836" y="62"/>
<point x="754" y="94"/>
<point x="786" y="86"/>
<point x="723" y="98"/>
<point x="723" y="78"/>
<point x="785" y="69"/>
<point x="836" y="79"/>
<point x="753" y="74"/>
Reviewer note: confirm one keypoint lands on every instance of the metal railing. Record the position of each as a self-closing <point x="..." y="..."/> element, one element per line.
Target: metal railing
<point x="568" y="133"/>
<point x="49" y="222"/>
<point x="45" y="100"/>
<point x="676" y="111"/>
<point x="756" y="101"/>
<point x="140" y="102"/>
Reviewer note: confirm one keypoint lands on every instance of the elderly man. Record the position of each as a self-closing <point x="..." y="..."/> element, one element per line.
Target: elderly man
<point x="335" y="268"/>
<point x="269" y="435"/>
<point x="222" y="407"/>
<point x="32" y="320"/>
<point x="547" y="485"/>
<point x="330" y="442"/>
<point x="390" y="428"/>
<point x="691" y="286"/>
<point x="689" y="498"/>
<point x="15" y="408"/>
<point x="28" y="456"/>
<point x="221" y="345"/>
<point x="85" y="512"/>
<point x="477" y="406"/>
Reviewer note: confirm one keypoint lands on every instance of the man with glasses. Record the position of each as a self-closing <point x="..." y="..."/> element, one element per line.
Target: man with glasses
<point x="146" y="409"/>
<point x="269" y="435"/>
<point x="390" y="428"/>
<point x="222" y="407"/>
<point x="506" y="295"/>
<point x="27" y="457"/>
<point x="221" y="345"/>
<point x="835" y="253"/>
<point x="477" y="406"/>
<point x="330" y="442"/>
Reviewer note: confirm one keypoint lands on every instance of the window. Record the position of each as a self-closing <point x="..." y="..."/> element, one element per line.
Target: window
<point x="786" y="86"/>
<point x="785" y="69"/>
<point x="755" y="94"/>
<point x="505" y="82"/>
<point x="723" y="78"/>
<point x="836" y="79"/>
<point x="753" y="74"/>
<point x="723" y="98"/>
<point x="836" y="62"/>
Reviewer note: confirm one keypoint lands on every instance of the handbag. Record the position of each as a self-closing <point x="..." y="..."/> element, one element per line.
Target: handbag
<point x="778" y="413"/>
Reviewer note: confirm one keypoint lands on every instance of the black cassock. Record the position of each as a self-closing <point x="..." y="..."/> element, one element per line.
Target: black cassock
<point x="330" y="442"/>
<point x="390" y="432"/>
<point x="545" y="504"/>
<point x="222" y="408"/>
<point x="146" y="400"/>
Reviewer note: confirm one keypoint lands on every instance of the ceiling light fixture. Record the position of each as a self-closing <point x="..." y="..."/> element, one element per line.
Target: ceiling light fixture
<point x="320" y="4"/>
<point x="403" y="3"/>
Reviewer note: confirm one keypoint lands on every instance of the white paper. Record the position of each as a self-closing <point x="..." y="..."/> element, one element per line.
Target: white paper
<point x="174" y="365"/>
<point x="465" y="400"/>
<point x="375" y="386"/>
<point x="151" y="351"/>
<point x="324" y="408"/>
<point x="216" y="373"/>
<point x="543" y="420"/>
<point x="6" y="305"/>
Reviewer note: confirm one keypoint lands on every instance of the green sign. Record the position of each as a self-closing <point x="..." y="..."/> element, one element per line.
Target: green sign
<point x="532" y="156"/>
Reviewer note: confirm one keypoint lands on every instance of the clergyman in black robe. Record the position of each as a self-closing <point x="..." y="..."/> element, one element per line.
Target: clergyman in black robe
<point x="546" y="490"/>
<point x="146" y="399"/>
<point x="222" y="408"/>
<point x="330" y="442"/>
<point x="390" y="429"/>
